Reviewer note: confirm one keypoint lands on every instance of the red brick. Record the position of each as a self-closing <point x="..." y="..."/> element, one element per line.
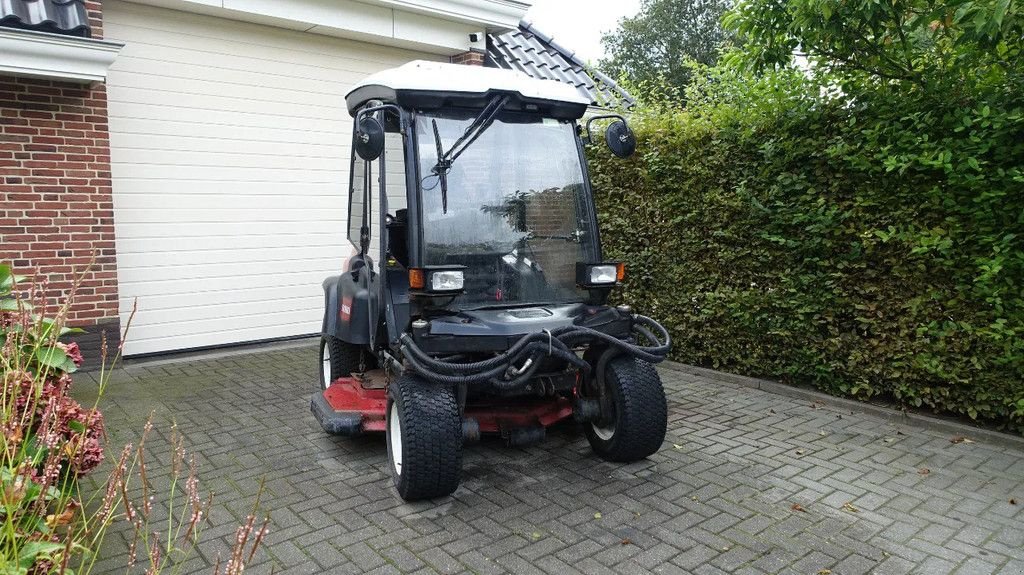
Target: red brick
<point x="56" y="216"/>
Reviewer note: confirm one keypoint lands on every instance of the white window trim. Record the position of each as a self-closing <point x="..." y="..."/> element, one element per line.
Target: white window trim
<point x="46" y="55"/>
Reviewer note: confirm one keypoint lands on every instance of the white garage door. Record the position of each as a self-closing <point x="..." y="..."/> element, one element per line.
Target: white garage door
<point x="229" y="158"/>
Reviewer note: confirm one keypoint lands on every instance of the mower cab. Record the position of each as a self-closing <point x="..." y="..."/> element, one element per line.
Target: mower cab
<point x="477" y="299"/>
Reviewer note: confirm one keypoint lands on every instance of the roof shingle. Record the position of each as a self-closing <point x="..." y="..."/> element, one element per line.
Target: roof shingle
<point x="536" y="54"/>
<point x="67" y="17"/>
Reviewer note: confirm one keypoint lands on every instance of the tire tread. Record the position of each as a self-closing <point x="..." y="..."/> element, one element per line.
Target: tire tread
<point x="641" y="412"/>
<point x="431" y="439"/>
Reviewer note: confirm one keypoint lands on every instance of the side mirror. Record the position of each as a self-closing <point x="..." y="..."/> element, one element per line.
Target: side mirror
<point x="369" y="140"/>
<point x="620" y="139"/>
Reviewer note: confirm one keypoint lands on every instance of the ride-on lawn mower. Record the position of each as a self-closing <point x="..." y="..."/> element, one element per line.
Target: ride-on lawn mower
<point x="477" y="302"/>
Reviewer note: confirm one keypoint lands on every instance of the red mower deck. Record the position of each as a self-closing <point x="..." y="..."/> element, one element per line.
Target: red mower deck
<point x="356" y="405"/>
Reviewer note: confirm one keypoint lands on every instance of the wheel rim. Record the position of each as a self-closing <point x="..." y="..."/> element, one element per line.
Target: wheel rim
<point x="605" y="432"/>
<point x="325" y="358"/>
<point x="395" y="438"/>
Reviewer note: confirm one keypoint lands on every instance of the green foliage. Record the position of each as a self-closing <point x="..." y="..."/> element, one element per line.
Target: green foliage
<point x="654" y="46"/>
<point x="954" y="46"/>
<point x="848" y="231"/>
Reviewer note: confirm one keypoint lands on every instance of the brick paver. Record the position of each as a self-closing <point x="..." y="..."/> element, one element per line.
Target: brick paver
<point x="718" y="498"/>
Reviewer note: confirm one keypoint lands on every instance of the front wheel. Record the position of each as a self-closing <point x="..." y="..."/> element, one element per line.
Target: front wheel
<point x="424" y="437"/>
<point x="340" y="359"/>
<point x="637" y="427"/>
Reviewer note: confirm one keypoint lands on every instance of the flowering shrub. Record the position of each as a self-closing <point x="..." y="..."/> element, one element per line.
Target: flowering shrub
<point x="51" y="441"/>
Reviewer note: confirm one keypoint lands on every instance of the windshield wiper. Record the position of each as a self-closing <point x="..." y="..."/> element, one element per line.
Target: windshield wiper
<point x="473" y="131"/>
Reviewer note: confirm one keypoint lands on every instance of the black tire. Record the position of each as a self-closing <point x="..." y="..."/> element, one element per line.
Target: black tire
<point x="428" y="442"/>
<point x="641" y="412"/>
<point x="343" y="358"/>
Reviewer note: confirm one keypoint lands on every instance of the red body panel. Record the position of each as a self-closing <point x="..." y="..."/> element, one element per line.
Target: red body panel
<point x="347" y="394"/>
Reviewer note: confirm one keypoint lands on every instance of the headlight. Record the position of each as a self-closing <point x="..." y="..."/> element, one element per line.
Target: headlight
<point x="602" y="274"/>
<point x="605" y="274"/>
<point x="446" y="280"/>
<point x="442" y="280"/>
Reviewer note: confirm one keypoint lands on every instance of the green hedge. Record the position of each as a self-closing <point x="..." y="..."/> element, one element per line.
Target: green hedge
<point x="868" y="248"/>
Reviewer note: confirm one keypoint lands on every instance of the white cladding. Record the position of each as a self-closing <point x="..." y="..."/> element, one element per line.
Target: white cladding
<point x="229" y="161"/>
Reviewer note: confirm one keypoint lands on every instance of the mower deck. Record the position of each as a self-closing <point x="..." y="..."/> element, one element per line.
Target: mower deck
<point x="355" y="405"/>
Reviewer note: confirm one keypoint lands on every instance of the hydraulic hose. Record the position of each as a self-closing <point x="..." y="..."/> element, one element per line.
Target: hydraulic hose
<point x="651" y="343"/>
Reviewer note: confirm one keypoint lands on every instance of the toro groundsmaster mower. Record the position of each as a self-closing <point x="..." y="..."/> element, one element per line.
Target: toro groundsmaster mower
<point x="477" y="301"/>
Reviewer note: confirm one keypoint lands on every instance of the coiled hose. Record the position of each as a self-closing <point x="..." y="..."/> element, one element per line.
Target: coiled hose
<point x="500" y="371"/>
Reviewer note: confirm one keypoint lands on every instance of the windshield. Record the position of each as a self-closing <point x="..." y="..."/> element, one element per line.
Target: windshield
<point x="516" y="215"/>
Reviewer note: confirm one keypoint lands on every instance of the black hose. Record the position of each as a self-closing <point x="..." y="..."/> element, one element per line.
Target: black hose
<point x="557" y="343"/>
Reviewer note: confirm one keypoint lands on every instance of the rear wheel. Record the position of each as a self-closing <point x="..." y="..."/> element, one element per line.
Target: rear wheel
<point x="424" y="437"/>
<point x="339" y="359"/>
<point x="637" y="427"/>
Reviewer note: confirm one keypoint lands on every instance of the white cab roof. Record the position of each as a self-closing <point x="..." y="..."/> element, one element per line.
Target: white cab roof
<point x="424" y="76"/>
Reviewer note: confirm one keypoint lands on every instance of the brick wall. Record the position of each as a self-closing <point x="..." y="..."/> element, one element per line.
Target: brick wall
<point x="471" y="58"/>
<point x="93" y="8"/>
<point x="56" y="212"/>
<point x="553" y="213"/>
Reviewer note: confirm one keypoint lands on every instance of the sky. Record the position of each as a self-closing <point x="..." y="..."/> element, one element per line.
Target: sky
<point x="578" y="24"/>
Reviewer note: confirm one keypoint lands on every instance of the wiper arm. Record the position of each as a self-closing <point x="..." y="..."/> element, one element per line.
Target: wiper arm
<point x="441" y="168"/>
<point x="477" y="127"/>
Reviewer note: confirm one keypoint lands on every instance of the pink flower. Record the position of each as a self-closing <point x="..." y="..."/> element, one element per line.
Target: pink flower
<point x="75" y="353"/>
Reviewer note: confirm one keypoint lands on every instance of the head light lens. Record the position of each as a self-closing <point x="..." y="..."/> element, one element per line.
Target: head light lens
<point x="451" y="280"/>
<point x="603" y="274"/>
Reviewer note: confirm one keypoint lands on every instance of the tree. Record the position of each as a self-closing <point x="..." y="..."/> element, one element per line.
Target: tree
<point x="653" y="46"/>
<point x="932" y="45"/>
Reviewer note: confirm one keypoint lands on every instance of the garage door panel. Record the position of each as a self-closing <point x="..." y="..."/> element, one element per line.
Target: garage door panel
<point x="145" y="329"/>
<point x="163" y="247"/>
<point x="243" y="60"/>
<point x="229" y="161"/>
<point x="222" y="257"/>
<point x="181" y="96"/>
<point x="128" y="186"/>
<point x="254" y="278"/>
<point x="301" y="100"/>
<point x="317" y="87"/>
<point x="215" y="233"/>
<point x="161" y="343"/>
<point x="170" y="130"/>
<point x="232" y="124"/>
<point x="242" y="158"/>
<point x="217" y="142"/>
<point x="143" y="339"/>
<point x="227" y="311"/>
<point x="150" y="201"/>
<point x="187" y="172"/>
<point x="269" y="267"/>
<point x="233" y="297"/>
<point x="183" y="32"/>
<point x="240" y="214"/>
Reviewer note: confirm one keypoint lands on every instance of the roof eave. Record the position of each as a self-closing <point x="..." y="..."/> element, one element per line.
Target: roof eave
<point x="56" y="56"/>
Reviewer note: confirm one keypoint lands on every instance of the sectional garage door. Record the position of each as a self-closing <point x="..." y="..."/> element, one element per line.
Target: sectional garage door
<point x="229" y="147"/>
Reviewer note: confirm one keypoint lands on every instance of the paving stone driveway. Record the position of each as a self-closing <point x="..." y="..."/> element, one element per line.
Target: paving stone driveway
<point x="719" y="497"/>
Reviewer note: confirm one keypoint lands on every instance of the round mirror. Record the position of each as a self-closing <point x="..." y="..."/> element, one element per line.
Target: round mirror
<point x="369" y="141"/>
<point x="620" y="139"/>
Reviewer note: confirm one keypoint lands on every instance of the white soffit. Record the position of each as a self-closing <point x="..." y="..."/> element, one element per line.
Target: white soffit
<point x="492" y="14"/>
<point x="45" y="55"/>
<point x="436" y="26"/>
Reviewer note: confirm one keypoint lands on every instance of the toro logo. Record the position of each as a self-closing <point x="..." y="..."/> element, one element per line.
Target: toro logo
<point x="346" y="309"/>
